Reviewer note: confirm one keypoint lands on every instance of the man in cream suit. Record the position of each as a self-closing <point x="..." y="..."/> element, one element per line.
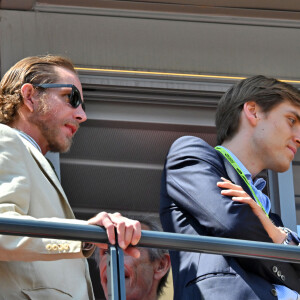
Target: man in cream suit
<point x="41" y="108"/>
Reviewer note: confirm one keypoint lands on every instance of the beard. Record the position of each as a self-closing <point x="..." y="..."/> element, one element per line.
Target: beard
<point x="51" y="134"/>
<point x="50" y="129"/>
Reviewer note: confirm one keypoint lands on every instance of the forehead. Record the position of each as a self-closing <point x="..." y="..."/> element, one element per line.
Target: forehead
<point x="66" y="76"/>
<point x="287" y="107"/>
<point x="69" y="77"/>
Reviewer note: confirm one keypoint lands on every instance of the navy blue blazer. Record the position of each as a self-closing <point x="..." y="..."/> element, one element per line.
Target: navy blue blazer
<point x="191" y="203"/>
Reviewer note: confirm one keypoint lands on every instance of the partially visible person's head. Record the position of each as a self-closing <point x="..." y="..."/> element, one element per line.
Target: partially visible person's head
<point x="34" y="70"/>
<point x="30" y="102"/>
<point x="146" y="276"/>
<point x="266" y="92"/>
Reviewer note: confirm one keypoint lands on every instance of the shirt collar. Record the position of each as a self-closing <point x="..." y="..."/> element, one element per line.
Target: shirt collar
<point x="239" y="163"/>
<point x="259" y="183"/>
<point x="28" y="138"/>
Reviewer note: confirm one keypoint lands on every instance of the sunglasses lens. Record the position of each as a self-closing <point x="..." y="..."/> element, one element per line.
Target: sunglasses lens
<point x="76" y="98"/>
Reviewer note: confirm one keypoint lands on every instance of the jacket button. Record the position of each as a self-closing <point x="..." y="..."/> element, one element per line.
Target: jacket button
<point x="274" y="292"/>
<point x="282" y="277"/>
<point x="279" y="273"/>
<point x="275" y="269"/>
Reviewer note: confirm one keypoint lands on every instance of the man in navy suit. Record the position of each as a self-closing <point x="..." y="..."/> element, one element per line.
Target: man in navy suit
<point x="258" y="127"/>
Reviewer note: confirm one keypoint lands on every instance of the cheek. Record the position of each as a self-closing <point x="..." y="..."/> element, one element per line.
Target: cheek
<point x="48" y="114"/>
<point x="44" y="105"/>
<point x="144" y="275"/>
<point x="268" y="135"/>
<point x="102" y="264"/>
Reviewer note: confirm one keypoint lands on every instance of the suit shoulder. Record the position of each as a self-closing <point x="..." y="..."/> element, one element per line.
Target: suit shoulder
<point x="9" y="139"/>
<point x="186" y="140"/>
<point x="193" y="149"/>
<point x="7" y="131"/>
<point x="191" y="144"/>
<point x="8" y="135"/>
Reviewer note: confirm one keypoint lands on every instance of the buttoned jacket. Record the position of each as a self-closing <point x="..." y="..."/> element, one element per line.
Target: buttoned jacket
<point x="191" y="203"/>
<point x="36" y="268"/>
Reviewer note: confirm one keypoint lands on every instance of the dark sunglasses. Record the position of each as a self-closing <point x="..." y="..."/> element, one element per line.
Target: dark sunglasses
<point x="74" y="96"/>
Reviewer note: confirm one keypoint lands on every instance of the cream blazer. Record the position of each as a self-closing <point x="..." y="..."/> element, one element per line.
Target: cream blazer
<point x="35" y="268"/>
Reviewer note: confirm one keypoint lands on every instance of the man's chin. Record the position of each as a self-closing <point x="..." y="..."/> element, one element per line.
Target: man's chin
<point x="282" y="168"/>
<point x="61" y="147"/>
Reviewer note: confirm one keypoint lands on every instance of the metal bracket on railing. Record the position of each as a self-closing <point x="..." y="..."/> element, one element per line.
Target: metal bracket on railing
<point x="115" y="273"/>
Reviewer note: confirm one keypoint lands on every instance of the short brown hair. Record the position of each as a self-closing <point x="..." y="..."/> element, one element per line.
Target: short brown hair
<point x="34" y="70"/>
<point x="266" y="92"/>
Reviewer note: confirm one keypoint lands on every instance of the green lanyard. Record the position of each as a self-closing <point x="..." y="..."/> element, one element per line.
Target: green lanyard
<point x="241" y="173"/>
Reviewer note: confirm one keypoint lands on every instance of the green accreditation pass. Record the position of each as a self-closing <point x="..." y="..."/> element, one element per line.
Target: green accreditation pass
<point x="241" y="173"/>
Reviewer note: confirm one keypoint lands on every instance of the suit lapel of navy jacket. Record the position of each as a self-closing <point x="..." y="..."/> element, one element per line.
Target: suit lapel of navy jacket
<point x="235" y="177"/>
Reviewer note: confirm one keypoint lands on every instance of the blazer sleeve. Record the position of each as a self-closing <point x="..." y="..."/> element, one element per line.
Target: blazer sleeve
<point x="15" y="201"/>
<point x="193" y="169"/>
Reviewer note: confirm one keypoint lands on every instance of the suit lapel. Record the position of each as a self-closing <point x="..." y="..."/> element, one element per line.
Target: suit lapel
<point x="50" y="174"/>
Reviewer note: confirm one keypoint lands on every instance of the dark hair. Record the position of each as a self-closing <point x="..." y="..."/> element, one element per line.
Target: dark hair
<point x="266" y="92"/>
<point x="154" y="253"/>
<point x="34" y="70"/>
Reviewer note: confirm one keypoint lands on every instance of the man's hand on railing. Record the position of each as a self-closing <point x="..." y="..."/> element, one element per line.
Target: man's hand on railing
<point x="128" y="231"/>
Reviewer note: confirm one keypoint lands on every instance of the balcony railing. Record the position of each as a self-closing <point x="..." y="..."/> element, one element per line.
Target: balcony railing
<point x="153" y="239"/>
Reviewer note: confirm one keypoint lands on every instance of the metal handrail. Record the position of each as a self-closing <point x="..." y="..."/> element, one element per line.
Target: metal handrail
<point x="153" y="239"/>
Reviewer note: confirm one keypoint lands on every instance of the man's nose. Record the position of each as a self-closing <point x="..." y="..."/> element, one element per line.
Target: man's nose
<point x="80" y="114"/>
<point x="297" y="137"/>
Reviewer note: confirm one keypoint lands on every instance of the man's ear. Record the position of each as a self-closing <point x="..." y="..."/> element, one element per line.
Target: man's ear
<point x="251" y="110"/>
<point x="27" y="92"/>
<point x="162" y="266"/>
